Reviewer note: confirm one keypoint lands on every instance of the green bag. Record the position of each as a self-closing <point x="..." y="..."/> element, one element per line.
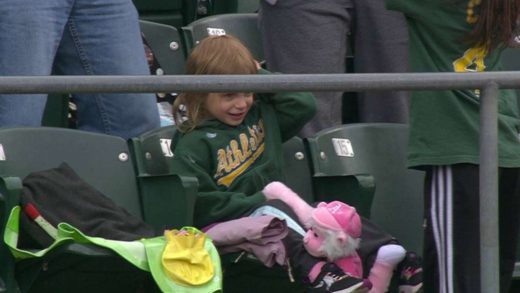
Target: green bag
<point x="146" y="254"/>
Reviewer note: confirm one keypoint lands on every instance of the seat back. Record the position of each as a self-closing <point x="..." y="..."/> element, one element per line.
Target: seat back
<point x="56" y="113"/>
<point x="377" y="151"/>
<point x="235" y="6"/>
<point x="163" y="195"/>
<point x="101" y="160"/>
<point x="297" y="170"/>
<point x="166" y="12"/>
<point x="240" y="25"/>
<point x="166" y="44"/>
<point x="338" y="174"/>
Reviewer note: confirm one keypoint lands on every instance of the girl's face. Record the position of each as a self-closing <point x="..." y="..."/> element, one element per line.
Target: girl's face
<point x="229" y="108"/>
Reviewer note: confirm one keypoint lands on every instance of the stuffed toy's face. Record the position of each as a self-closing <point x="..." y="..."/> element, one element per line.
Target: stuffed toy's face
<point x="313" y="242"/>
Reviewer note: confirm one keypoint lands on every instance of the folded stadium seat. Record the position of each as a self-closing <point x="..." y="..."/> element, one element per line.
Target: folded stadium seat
<point x="240" y="25"/>
<point x="105" y="163"/>
<point x="161" y="11"/>
<point x="377" y="153"/>
<point x="166" y="44"/>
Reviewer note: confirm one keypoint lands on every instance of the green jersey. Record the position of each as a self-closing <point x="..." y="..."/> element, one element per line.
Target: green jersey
<point x="444" y="125"/>
<point x="234" y="163"/>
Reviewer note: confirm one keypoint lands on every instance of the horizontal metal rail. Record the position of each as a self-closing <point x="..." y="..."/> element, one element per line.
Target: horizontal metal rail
<point x="256" y="83"/>
<point x="488" y="82"/>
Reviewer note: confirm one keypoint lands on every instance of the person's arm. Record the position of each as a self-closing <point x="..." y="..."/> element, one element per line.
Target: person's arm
<point x="293" y="109"/>
<point x="213" y="205"/>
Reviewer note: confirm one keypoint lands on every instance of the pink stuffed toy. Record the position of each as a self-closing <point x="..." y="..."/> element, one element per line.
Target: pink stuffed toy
<point x="334" y="231"/>
<point x="334" y="228"/>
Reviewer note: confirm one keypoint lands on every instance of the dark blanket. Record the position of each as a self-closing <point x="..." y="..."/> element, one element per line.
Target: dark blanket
<point x="60" y="195"/>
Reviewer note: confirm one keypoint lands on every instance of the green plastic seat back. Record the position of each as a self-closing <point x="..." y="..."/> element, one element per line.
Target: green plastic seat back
<point x="376" y="150"/>
<point x="166" y="198"/>
<point x="337" y="173"/>
<point x="235" y="6"/>
<point x="56" y="112"/>
<point x="101" y="160"/>
<point x="166" y="44"/>
<point x="297" y="169"/>
<point x="152" y="151"/>
<point x="161" y="11"/>
<point x="240" y="25"/>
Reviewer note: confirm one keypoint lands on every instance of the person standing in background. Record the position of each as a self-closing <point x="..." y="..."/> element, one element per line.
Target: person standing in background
<point x="81" y="37"/>
<point x="301" y="36"/>
<point x="461" y="36"/>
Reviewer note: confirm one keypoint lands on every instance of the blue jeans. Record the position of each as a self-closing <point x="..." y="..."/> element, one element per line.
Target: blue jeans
<point x="75" y="37"/>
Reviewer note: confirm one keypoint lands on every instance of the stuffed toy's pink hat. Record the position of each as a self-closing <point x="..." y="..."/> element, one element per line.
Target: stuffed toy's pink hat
<point x="338" y="216"/>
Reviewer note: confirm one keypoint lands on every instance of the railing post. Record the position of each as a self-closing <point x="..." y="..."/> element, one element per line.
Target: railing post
<point x="488" y="180"/>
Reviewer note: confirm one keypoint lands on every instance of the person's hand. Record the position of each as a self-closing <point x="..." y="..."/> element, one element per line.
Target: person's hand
<point x="258" y="66"/>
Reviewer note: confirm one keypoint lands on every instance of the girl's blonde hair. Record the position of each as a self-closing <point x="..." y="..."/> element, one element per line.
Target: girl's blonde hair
<point x="213" y="55"/>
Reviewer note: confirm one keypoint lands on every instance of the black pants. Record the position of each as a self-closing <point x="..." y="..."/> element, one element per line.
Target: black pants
<point x="372" y="237"/>
<point x="452" y="234"/>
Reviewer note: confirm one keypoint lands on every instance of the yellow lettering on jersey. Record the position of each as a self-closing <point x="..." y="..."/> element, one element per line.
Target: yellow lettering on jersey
<point x="471" y="18"/>
<point x="471" y="61"/>
<point x="229" y="178"/>
<point x="234" y="159"/>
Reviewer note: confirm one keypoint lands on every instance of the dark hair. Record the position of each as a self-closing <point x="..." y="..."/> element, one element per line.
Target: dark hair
<point x="495" y="24"/>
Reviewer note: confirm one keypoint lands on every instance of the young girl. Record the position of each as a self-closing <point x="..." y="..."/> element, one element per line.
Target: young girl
<point x="232" y="142"/>
<point x="461" y="36"/>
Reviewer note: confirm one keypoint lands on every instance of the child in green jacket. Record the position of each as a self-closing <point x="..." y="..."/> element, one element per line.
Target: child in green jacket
<point x="232" y="142"/>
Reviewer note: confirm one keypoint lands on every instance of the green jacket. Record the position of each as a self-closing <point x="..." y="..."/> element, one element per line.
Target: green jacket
<point x="234" y="163"/>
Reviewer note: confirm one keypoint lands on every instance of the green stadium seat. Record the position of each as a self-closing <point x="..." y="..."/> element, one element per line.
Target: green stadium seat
<point x="169" y="12"/>
<point x="240" y="25"/>
<point x="166" y="44"/>
<point x="235" y="6"/>
<point x="340" y="173"/>
<point x="297" y="168"/>
<point x="152" y="157"/>
<point x="56" y="111"/>
<point x="356" y="152"/>
<point x="104" y="162"/>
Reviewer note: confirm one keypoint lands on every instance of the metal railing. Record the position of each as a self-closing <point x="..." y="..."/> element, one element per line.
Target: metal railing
<point x="489" y="82"/>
